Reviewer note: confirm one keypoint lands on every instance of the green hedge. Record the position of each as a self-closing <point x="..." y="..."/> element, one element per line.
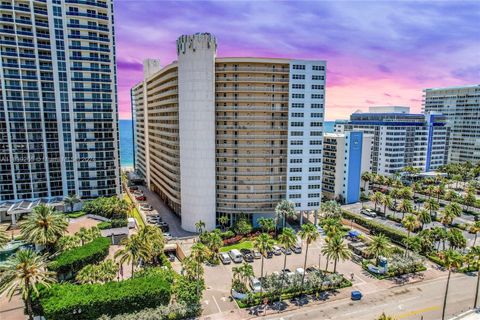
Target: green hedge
<point x="71" y="261"/>
<point x="76" y="214"/>
<point x="115" y="223"/>
<point x="90" y="301"/>
<point x="376" y="227"/>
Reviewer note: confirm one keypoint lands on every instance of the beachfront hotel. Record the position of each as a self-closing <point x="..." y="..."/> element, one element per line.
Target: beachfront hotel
<point x="58" y="108"/>
<point x="461" y="107"/>
<point x="229" y="136"/>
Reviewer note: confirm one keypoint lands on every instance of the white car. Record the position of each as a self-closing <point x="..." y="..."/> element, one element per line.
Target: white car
<point x="225" y="258"/>
<point x="369" y="213"/>
<point x="300" y="271"/>
<point x="277" y="250"/>
<point x="255" y="284"/>
<point x="146" y="207"/>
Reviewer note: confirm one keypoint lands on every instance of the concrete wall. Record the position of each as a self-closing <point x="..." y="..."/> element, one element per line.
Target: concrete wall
<point x="196" y="91"/>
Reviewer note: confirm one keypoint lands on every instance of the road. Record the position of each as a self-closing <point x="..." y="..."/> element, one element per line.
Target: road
<point x="409" y="302"/>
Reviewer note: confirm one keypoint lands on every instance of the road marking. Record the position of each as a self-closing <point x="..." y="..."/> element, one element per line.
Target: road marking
<point x="218" y="307"/>
<point x="419" y="311"/>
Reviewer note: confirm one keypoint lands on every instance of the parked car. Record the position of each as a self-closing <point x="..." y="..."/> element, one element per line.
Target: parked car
<point x="368" y="213"/>
<point x="146" y="207"/>
<point x="268" y="254"/>
<point x="138" y="193"/>
<point x="133" y="188"/>
<point x="255" y="284"/>
<point x="225" y="258"/>
<point x="277" y="250"/>
<point x="286" y="251"/>
<point x="140" y="198"/>
<point x="311" y="269"/>
<point x="235" y="255"/>
<point x="300" y="271"/>
<point x="131" y="223"/>
<point x="356" y="295"/>
<point x="171" y="257"/>
<point x="256" y="254"/>
<point x="297" y="249"/>
<point x="248" y="257"/>
<point x="167" y="236"/>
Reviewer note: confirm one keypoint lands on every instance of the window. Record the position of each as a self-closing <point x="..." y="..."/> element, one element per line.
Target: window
<point x="295" y="169"/>
<point x="316" y="133"/>
<point x="297" y="105"/>
<point x="316" y="77"/>
<point x="314" y="178"/>
<point x="296" y="143"/>
<point x="317" y="86"/>
<point x="296" y="160"/>
<point x="316" y="115"/>
<point x="316" y="142"/>
<point x="296" y="124"/>
<point x="315" y="169"/>
<point x="294" y="187"/>
<point x="313" y="186"/>
<point x="318" y="68"/>
<point x="316" y="105"/>
<point x="315" y="151"/>
<point x="315" y="124"/>
<point x="296" y="133"/>
<point x="317" y="96"/>
<point x="296" y="151"/>
<point x="315" y="160"/>
<point x="298" y="86"/>
<point x="314" y="195"/>
<point x="298" y="96"/>
<point x="298" y="77"/>
<point x="297" y="115"/>
<point x="295" y="196"/>
<point x="298" y="67"/>
<point x="314" y="204"/>
<point x="295" y="179"/>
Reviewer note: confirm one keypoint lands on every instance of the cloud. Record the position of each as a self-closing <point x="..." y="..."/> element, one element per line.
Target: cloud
<point x="470" y="74"/>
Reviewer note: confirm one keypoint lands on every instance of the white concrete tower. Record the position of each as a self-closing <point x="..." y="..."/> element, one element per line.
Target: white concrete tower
<point x="196" y="91"/>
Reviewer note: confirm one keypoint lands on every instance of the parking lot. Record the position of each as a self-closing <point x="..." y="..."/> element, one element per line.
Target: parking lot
<point x="218" y="278"/>
<point x="357" y="207"/>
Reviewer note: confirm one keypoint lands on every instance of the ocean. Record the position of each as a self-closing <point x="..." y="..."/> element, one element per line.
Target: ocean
<point x="126" y="140"/>
<point x="126" y="143"/>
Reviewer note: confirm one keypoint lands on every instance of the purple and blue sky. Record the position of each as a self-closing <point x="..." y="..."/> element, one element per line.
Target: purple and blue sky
<point x="378" y="53"/>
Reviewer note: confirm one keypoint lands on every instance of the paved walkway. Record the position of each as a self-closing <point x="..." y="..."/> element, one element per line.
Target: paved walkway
<point x="166" y="213"/>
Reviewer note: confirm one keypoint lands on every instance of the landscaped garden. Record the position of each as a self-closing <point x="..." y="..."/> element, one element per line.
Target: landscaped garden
<point x="72" y="278"/>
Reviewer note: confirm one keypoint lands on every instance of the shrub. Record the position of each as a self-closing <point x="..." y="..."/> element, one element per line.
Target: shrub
<point x="376" y="228"/>
<point x="227" y="234"/>
<point x="233" y="240"/>
<point x="63" y="301"/>
<point x="76" y="214"/>
<point x="71" y="261"/>
<point x="115" y="223"/>
<point x="111" y="208"/>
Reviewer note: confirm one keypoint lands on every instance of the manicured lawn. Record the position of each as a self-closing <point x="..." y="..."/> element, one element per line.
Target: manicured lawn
<point x="134" y="213"/>
<point x="241" y="245"/>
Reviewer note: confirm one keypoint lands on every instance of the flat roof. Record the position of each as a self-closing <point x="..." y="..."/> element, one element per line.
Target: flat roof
<point x="454" y="87"/>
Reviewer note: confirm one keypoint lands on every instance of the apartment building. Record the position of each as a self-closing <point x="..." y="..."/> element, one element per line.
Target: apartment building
<point x="230" y="136"/>
<point x="58" y="108"/>
<point x="345" y="157"/>
<point x="461" y="107"/>
<point x="401" y="139"/>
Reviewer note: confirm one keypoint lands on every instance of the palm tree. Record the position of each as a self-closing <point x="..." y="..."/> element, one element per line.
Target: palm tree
<point x="405" y="206"/>
<point x="431" y="205"/>
<point x="335" y="249"/>
<point x="424" y="217"/>
<point x="475" y="228"/>
<point x="23" y="272"/>
<point x="214" y="242"/>
<point x="410" y="222"/>
<point x="450" y="212"/>
<point x="44" y="226"/>
<point x="451" y="260"/>
<point x="455" y="208"/>
<point x="199" y="253"/>
<point x="332" y="227"/>
<point x="68" y="242"/>
<point x="475" y="253"/>
<point x="439" y="190"/>
<point x="263" y="243"/>
<point x="395" y="194"/>
<point x="430" y="191"/>
<point x="284" y="209"/>
<point x="266" y="224"/>
<point x="383" y="316"/>
<point x="153" y="241"/>
<point x="331" y="209"/>
<point x="134" y="249"/>
<point x="406" y="193"/>
<point x="287" y="239"/>
<point x="223" y="220"/>
<point x="366" y="177"/>
<point x="379" y="247"/>
<point x="200" y="226"/>
<point x="71" y="200"/>
<point x="3" y="238"/>
<point x="309" y="233"/>
<point x="376" y="198"/>
<point x="387" y="202"/>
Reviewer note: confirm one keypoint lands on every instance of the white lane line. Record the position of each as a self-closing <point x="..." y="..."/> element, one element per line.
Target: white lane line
<point x="218" y="307"/>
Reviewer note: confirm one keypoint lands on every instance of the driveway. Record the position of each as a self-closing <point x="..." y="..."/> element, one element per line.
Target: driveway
<point x="166" y="213"/>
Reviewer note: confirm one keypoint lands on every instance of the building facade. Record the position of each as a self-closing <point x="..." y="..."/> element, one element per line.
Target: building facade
<point x="345" y="157"/>
<point x="58" y="108"/>
<point x="230" y="136"/>
<point x="401" y="139"/>
<point x="461" y="107"/>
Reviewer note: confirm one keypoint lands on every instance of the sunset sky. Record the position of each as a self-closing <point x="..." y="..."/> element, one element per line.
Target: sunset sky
<point x="378" y="53"/>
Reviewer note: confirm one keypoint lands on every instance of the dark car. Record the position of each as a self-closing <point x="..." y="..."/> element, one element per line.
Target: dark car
<point x="133" y="188"/>
<point x="171" y="257"/>
<point x="268" y="254"/>
<point x="245" y="251"/>
<point x="286" y="251"/>
<point x="248" y="257"/>
<point x="356" y="295"/>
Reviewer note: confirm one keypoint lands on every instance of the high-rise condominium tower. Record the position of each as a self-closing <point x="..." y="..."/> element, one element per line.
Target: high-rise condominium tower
<point x="230" y="136"/>
<point x="58" y="108"/>
<point x="461" y="106"/>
